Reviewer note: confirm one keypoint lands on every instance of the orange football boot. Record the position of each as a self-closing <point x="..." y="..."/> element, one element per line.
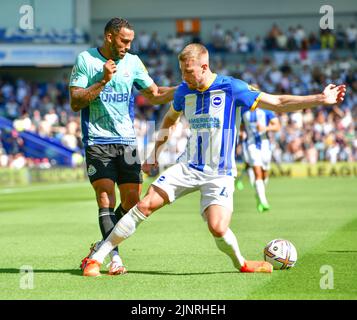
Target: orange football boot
<point x="257" y="266"/>
<point x="92" y="268"/>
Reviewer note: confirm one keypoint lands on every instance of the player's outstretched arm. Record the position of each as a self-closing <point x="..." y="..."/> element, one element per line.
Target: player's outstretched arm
<point x="170" y="118"/>
<point x="331" y="95"/>
<point x="158" y="95"/>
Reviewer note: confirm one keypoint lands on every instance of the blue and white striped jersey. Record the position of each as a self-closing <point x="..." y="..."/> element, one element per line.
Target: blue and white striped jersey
<point x="214" y="116"/>
<point x="251" y="119"/>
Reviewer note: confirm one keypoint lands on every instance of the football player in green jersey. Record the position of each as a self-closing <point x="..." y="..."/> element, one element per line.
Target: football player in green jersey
<point x="100" y="89"/>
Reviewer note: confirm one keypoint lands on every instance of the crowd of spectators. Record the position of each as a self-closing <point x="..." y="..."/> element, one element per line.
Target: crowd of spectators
<point x="322" y="134"/>
<point x="41" y="108"/>
<point x="221" y="39"/>
<point x="238" y="41"/>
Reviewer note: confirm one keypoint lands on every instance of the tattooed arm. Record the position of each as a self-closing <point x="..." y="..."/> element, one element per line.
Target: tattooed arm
<point x="81" y="97"/>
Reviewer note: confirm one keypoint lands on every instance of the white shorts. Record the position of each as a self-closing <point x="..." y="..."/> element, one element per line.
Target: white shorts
<point x="257" y="157"/>
<point x="180" y="180"/>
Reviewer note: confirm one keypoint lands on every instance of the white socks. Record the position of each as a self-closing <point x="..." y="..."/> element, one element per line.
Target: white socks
<point x="251" y="176"/>
<point x="266" y="180"/>
<point x="260" y="189"/>
<point x="125" y="227"/>
<point x="115" y="257"/>
<point x="229" y="245"/>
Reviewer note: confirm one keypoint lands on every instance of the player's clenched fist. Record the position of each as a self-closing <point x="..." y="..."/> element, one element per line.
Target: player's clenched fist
<point x="334" y="94"/>
<point x="147" y="167"/>
<point x="109" y="69"/>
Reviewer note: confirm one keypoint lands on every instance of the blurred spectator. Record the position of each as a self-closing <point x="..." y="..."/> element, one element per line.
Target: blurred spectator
<point x="243" y="43"/>
<point x="327" y="39"/>
<point x="144" y="41"/>
<point x="313" y="41"/>
<point x="311" y="153"/>
<point x="217" y="38"/>
<point x="291" y="44"/>
<point x="175" y="44"/>
<point x="340" y="37"/>
<point x="17" y="161"/>
<point x="271" y="38"/>
<point x="23" y="123"/>
<point x="4" y="158"/>
<point x="299" y="35"/>
<point x="11" y="108"/>
<point x="230" y="43"/>
<point x="12" y="142"/>
<point x="351" y="33"/>
<point x="51" y="117"/>
<point x="154" y="45"/>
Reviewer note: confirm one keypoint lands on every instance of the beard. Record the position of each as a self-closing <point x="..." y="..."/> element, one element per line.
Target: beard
<point x="115" y="52"/>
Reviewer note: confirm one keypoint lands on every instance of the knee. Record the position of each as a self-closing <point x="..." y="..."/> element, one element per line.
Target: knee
<point x="105" y="193"/>
<point x="145" y="206"/>
<point x="258" y="176"/>
<point x="105" y="197"/>
<point x="153" y="200"/>
<point x="218" y="230"/>
<point x="131" y="199"/>
<point x="149" y="204"/>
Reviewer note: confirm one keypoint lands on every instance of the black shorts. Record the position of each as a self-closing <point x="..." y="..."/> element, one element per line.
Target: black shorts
<point x="120" y="163"/>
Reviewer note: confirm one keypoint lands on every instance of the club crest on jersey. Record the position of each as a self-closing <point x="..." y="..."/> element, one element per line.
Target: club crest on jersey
<point x="91" y="170"/>
<point x="74" y="74"/>
<point x="108" y="88"/>
<point x="216" y="101"/>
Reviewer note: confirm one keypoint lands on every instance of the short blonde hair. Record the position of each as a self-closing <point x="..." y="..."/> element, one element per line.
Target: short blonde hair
<point x="193" y="51"/>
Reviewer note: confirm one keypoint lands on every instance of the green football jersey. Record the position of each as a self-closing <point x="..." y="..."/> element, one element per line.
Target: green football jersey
<point x="107" y="118"/>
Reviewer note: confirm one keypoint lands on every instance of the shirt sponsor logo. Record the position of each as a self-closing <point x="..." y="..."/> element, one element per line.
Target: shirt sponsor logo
<point x="205" y="123"/>
<point x="109" y="95"/>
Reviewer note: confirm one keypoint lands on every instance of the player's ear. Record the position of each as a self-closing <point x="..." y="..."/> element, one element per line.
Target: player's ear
<point x="204" y="67"/>
<point x="109" y="37"/>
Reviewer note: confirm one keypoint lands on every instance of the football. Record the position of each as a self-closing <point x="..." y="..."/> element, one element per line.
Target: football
<point x="280" y="253"/>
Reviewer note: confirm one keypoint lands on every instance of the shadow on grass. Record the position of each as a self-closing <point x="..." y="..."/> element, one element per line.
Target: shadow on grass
<point x="77" y="272"/>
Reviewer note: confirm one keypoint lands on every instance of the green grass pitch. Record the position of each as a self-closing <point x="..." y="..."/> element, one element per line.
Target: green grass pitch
<point x="172" y="255"/>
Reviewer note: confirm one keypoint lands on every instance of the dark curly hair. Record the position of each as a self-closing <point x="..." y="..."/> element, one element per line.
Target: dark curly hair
<point x="115" y="24"/>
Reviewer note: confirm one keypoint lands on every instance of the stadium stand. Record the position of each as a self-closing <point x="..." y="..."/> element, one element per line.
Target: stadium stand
<point x="43" y="36"/>
<point x="290" y="61"/>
